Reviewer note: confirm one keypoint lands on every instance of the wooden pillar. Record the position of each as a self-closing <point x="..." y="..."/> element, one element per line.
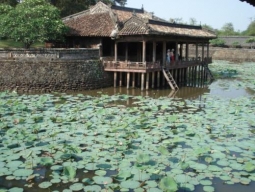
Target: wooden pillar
<point x="142" y="83"/>
<point x="196" y="51"/>
<point x="116" y="51"/>
<point x="164" y="54"/>
<point x="144" y="51"/>
<point x="115" y="79"/>
<point x="154" y="52"/>
<point x="153" y="80"/>
<point x="203" y="51"/>
<point x="176" y="51"/>
<point x="139" y="79"/>
<point x="147" y="80"/>
<point x="158" y="79"/>
<point x="128" y="79"/>
<point x="207" y="52"/>
<point x="187" y="52"/>
<point x="126" y="52"/>
<point x="181" y="48"/>
<point x="133" y="81"/>
<point x="120" y="82"/>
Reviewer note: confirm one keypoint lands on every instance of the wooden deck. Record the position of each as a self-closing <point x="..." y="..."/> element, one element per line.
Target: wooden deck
<point x="144" y="67"/>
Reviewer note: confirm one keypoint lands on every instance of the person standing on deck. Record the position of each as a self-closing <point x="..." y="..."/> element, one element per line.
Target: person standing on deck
<point x="168" y="57"/>
<point x="172" y="55"/>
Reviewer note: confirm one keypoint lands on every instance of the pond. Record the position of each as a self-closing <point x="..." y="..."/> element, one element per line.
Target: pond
<point x="196" y="139"/>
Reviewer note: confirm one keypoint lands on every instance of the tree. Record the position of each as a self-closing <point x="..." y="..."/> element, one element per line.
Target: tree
<point x="217" y="42"/>
<point x="9" y="2"/>
<point x="192" y="21"/>
<point x="176" y="20"/>
<point x="69" y="7"/>
<point x="208" y="27"/>
<point x="228" y="30"/>
<point x="250" y="31"/>
<point x="251" y="41"/>
<point x="32" y="20"/>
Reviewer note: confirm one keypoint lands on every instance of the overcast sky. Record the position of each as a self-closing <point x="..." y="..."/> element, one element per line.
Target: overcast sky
<point x="215" y="13"/>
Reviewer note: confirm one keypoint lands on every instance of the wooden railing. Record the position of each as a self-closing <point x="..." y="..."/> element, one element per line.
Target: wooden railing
<point x="151" y="65"/>
<point x="131" y="65"/>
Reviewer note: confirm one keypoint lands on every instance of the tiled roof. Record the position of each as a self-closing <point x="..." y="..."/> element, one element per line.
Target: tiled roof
<point x="134" y="26"/>
<point x="180" y="31"/>
<point x="100" y="24"/>
<point x="100" y="20"/>
<point x="252" y="2"/>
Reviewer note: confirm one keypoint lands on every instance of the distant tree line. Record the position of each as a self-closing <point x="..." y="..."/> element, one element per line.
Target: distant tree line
<point x="68" y="7"/>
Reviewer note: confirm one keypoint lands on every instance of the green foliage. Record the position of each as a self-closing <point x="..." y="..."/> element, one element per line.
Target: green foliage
<point x="251" y="41"/>
<point x="217" y="42"/>
<point x="9" y="43"/>
<point x="250" y="31"/>
<point x="228" y="30"/>
<point x="9" y="2"/>
<point x="31" y="21"/>
<point x="69" y="7"/>
<point x="236" y="44"/>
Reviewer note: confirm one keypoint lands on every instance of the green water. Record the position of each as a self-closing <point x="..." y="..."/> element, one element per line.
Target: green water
<point x="147" y="134"/>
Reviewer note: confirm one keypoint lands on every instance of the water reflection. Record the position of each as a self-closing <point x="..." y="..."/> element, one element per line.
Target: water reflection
<point x="227" y="88"/>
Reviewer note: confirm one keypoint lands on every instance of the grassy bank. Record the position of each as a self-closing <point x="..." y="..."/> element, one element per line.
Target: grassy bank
<point x="8" y="43"/>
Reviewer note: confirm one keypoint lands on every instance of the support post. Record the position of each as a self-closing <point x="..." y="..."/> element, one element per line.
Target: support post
<point x="144" y="51"/>
<point x="116" y="51"/>
<point x="176" y="51"/>
<point x="120" y="82"/>
<point x="147" y="80"/>
<point x="154" y="52"/>
<point x="203" y="51"/>
<point x="164" y="54"/>
<point x="126" y="52"/>
<point x="153" y="80"/>
<point x="128" y="80"/>
<point x="187" y="52"/>
<point x="158" y="79"/>
<point x="196" y="51"/>
<point x="208" y="52"/>
<point x="115" y="79"/>
<point x="142" y="83"/>
<point x="133" y="81"/>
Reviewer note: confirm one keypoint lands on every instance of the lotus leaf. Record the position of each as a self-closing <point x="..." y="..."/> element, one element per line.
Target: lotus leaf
<point x="168" y="184"/>
<point x="130" y="184"/>
<point x="208" y="189"/>
<point x="76" y="187"/>
<point x="22" y="172"/>
<point x="46" y="161"/>
<point x="102" y="180"/>
<point x="92" y="188"/>
<point x="45" y="184"/>
<point x="249" y="167"/>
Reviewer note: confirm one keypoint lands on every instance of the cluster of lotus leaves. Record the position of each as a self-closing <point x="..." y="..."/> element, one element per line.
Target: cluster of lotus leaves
<point x="95" y="144"/>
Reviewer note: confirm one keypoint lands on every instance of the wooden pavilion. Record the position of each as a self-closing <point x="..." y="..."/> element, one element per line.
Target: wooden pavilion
<point x="133" y="44"/>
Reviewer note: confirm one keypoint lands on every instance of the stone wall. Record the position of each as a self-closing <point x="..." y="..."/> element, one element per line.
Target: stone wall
<point x="49" y="53"/>
<point x="228" y="54"/>
<point x="57" y="75"/>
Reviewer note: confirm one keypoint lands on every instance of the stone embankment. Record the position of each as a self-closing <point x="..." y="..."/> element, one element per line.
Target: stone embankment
<point x="229" y="54"/>
<point x="52" y="70"/>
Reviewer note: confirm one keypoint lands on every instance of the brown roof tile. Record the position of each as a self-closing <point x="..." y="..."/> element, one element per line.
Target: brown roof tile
<point x="180" y="31"/>
<point x="100" y="24"/>
<point x="134" y="26"/>
<point x="100" y="20"/>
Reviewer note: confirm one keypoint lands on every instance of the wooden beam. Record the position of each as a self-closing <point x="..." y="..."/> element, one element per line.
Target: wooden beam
<point x="142" y="83"/>
<point x="115" y="79"/>
<point x="116" y="51"/>
<point x="128" y="80"/>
